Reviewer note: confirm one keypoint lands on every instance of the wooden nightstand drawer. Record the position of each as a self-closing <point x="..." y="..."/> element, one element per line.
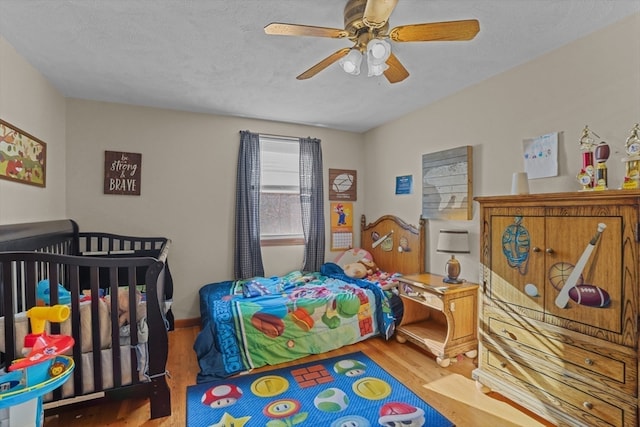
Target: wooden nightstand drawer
<point x="597" y="409"/>
<point x="422" y="296"/>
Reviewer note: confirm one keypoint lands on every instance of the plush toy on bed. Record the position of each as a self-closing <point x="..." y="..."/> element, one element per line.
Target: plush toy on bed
<point x="360" y="269"/>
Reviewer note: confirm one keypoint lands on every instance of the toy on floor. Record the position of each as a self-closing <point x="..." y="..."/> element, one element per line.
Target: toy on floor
<point x="41" y="371"/>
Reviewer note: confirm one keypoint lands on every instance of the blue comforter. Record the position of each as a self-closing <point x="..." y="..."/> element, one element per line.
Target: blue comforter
<point x="251" y="323"/>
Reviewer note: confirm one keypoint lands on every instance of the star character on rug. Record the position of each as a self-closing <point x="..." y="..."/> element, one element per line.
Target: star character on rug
<point x="399" y="414"/>
<point x="230" y="421"/>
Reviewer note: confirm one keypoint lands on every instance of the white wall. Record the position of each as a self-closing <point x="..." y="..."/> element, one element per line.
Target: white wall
<point x="29" y="102"/>
<point x="594" y="81"/>
<point x="188" y="185"/>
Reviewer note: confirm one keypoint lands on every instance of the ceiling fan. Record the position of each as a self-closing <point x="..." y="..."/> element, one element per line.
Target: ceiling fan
<point x="366" y="24"/>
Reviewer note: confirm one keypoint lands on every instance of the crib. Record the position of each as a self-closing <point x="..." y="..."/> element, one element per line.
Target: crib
<point x="124" y="353"/>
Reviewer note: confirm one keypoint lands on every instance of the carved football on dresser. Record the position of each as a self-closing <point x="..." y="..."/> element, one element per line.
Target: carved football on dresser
<point x="590" y="295"/>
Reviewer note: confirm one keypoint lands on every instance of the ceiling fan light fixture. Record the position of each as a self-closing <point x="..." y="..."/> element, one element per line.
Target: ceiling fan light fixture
<point x="376" y="69"/>
<point x="378" y="51"/>
<point x="351" y="63"/>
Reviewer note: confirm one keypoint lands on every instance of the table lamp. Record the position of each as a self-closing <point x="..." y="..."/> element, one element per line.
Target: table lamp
<point x="453" y="242"/>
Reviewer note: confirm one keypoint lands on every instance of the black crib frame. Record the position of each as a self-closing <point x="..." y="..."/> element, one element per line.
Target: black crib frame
<point x="91" y="262"/>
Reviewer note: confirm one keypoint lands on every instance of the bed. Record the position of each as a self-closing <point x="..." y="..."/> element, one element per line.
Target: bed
<point x="262" y="321"/>
<point x="112" y="278"/>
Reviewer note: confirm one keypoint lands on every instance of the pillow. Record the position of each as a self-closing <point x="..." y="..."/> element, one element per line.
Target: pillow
<point x="351" y="256"/>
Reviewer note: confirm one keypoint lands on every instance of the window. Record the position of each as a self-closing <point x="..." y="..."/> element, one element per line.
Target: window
<point x="280" y="213"/>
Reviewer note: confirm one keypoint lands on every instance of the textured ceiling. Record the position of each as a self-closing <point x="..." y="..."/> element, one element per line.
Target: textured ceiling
<point x="213" y="56"/>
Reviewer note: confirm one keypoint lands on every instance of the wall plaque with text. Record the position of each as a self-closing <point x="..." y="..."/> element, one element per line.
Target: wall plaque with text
<point x="122" y="173"/>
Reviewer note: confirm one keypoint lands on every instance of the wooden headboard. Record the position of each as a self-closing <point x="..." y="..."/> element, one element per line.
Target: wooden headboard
<point x="402" y="251"/>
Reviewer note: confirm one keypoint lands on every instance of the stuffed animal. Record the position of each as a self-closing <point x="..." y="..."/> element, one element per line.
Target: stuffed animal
<point x="360" y="269"/>
<point x="371" y="266"/>
<point x="123" y="306"/>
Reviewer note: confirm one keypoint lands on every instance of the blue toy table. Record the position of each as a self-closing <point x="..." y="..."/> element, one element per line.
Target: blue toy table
<point x="23" y="404"/>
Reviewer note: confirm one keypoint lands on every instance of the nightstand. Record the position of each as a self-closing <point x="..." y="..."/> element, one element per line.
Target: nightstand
<point x="439" y="317"/>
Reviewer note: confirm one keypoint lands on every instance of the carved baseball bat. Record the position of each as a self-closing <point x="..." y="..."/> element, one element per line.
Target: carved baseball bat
<point x="563" y="297"/>
<point x="382" y="239"/>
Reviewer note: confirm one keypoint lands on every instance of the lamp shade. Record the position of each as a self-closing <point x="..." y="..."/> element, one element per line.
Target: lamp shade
<point x="378" y="51"/>
<point x="351" y="62"/>
<point x="453" y="242"/>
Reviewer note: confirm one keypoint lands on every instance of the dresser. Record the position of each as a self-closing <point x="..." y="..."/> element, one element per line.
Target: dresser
<point x="559" y="304"/>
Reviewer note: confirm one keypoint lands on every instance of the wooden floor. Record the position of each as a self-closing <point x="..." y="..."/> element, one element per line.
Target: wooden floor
<point x="450" y="390"/>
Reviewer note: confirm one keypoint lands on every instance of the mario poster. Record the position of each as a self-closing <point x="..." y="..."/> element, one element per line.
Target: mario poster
<point x="341" y="225"/>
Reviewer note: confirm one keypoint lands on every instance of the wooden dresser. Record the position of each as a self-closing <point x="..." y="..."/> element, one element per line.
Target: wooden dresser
<point x="559" y="310"/>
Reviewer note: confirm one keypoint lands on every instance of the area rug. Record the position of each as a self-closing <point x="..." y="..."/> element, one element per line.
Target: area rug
<point x="349" y="390"/>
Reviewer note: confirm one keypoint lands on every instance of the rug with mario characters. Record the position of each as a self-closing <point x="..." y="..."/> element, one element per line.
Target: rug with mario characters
<point x="344" y="391"/>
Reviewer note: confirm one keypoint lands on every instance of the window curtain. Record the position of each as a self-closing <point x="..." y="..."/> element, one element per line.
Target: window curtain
<point x="312" y="203"/>
<point x="248" y="255"/>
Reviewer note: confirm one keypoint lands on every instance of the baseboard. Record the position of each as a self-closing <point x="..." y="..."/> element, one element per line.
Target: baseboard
<point x="187" y="323"/>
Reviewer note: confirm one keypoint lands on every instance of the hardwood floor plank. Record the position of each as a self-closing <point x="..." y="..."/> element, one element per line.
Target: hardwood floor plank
<point x="450" y="390"/>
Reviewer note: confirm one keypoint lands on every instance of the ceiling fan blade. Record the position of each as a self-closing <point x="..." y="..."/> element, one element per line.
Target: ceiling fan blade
<point x="442" y="31"/>
<point x="396" y="71"/>
<point x="282" y="29"/>
<point x="377" y="12"/>
<point x="324" y="63"/>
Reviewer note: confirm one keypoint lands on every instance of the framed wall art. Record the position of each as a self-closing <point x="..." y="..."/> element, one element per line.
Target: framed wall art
<point x="404" y="184"/>
<point x="122" y="173"/>
<point x="23" y="157"/>
<point x="447" y="184"/>
<point x="343" y="184"/>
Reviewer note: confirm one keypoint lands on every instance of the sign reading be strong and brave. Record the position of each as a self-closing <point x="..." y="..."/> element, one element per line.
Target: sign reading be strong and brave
<point x="122" y="173"/>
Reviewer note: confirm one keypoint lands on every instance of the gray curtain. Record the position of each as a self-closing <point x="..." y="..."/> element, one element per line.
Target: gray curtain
<point x="312" y="203"/>
<point x="248" y="255"/>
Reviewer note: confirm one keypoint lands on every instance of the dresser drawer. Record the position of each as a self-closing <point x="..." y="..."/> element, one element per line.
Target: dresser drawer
<point x="597" y="409"/>
<point x="568" y="357"/>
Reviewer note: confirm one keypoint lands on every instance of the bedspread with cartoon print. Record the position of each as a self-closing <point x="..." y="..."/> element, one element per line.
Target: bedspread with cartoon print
<point x="265" y="321"/>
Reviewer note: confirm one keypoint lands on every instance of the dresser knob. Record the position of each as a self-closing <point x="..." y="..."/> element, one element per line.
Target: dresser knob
<point x="503" y="365"/>
<point x="588" y="405"/>
<point x="509" y="334"/>
<point x="588" y="361"/>
<point x="549" y="250"/>
<point x="536" y="249"/>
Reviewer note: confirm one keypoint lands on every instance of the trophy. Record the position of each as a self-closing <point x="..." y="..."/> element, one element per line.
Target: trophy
<point x="601" y="153"/>
<point x="586" y="176"/>
<point x="632" y="160"/>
